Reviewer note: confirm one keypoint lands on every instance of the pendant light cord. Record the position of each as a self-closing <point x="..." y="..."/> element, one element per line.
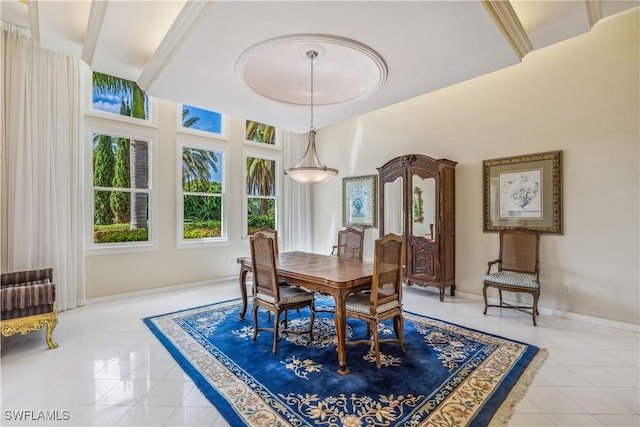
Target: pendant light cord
<point x="312" y="55"/>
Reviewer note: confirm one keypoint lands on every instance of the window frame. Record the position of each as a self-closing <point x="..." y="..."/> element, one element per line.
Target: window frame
<point x="224" y="124"/>
<point x="92" y="248"/>
<point x="276" y="146"/>
<point x="223" y="240"/>
<point x="279" y="173"/>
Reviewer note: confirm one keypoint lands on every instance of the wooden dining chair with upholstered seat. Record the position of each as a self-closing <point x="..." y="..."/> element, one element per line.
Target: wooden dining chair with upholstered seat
<point x="350" y="243"/>
<point x="518" y="269"/>
<point x="270" y="295"/>
<point x="384" y="301"/>
<point x="269" y="232"/>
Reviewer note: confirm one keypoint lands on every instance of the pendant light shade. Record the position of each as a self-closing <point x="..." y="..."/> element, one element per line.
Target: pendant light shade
<point x="310" y="170"/>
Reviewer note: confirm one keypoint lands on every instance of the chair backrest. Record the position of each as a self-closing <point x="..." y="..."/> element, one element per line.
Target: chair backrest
<point x="263" y="261"/>
<point x="269" y="232"/>
<point x="350" y="243"/>
<point x="388" y="253"/>
<point x="519" y="250"/>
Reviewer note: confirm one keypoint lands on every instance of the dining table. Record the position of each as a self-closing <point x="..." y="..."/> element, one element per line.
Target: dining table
<point x="325" y="274"/>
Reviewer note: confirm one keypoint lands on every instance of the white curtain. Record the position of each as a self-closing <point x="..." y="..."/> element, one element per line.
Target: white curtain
<point x="298" y="199"/>
<point x="41" y="164"/>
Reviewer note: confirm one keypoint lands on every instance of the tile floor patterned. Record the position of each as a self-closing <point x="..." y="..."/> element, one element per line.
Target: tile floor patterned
<point x="111" y="371"/>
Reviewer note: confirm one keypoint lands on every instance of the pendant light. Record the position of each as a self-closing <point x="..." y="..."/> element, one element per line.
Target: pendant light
<point x="309" y="170"/>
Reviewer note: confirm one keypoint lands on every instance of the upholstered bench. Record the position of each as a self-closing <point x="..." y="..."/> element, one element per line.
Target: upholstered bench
<point x="28" y="303"/>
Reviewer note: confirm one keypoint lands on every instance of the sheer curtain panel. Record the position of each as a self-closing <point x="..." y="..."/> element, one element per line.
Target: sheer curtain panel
<point x="298" y="202"/>
<point x="41" y="154"/>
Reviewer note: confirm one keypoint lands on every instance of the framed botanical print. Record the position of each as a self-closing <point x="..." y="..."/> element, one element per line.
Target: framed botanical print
<point x="523" y="192"/>
<point x="359" y="197"/>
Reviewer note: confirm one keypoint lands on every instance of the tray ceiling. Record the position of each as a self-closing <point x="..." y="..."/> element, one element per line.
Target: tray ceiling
<point x="190" y="51"/>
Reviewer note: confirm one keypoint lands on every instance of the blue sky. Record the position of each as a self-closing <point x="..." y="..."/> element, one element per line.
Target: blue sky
<point x="109" y="103"/>
<point x="210" y="121"/>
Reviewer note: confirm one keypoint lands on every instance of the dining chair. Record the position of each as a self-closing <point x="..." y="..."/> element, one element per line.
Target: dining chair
<point x="270" y="295"/>
<point x="518" y="270"/>
<point x="350" y="243"/>
<point x="384" y="301"/>
<point x="269" y="232"/>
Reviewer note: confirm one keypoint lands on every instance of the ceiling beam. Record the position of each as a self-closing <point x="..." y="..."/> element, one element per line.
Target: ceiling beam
<point x="594" y="11"/>
<point x="94" y="27"/>
<point x="34" y="20"/>
<point x="184" y="22"/>
<point x="507" y="21"/>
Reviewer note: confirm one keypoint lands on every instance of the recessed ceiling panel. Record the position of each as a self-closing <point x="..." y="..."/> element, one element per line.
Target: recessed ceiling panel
<point x="343" y="70"/>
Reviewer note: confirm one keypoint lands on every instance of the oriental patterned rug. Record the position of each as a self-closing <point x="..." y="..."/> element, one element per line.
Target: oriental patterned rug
<point x="450" y="375"/>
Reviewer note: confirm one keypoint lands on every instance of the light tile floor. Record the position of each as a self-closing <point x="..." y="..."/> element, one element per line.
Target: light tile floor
<point x="110" y="370"/>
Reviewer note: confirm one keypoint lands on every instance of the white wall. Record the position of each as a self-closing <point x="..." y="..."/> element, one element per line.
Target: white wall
<point x="581" y="96"/>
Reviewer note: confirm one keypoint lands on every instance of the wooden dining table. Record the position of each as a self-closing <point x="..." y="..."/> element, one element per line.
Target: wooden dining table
<point x="325" y="274"/>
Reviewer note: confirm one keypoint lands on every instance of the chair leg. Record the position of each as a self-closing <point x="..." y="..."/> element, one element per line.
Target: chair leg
<point x="484" y="294"/>
<point x="500" y="293"/>
<point x="534" y="310"/>
<point x="312" y="318"/>
<point x="255" y="321"/>
<point x="398" y="326"/>
<point x="51" y="324"/>
<point x="276" y="332"/>
<point x="376" y="345"/>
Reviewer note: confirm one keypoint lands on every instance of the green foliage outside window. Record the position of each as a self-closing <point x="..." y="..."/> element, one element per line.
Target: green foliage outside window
<point x="260" y="132"/>
<point x="115" y="209"/>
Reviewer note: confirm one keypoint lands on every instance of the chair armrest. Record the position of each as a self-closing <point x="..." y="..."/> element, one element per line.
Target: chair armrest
<point x="490" y="263"/>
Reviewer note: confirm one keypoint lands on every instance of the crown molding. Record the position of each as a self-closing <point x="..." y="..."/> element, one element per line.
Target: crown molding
<point x="94" y="27"/>
<point x="507" y="21"/>
<point x="171" y="41"/>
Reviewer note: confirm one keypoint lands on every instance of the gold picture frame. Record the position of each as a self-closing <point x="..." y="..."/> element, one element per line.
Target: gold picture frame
<point x="359" y="201"/>
<point x="523" y="192"/>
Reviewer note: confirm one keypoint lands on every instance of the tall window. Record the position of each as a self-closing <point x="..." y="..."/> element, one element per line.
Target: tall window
<point x="262" y="173"/>
<point x="203" y="196"/>
<point x="121" y="189"/>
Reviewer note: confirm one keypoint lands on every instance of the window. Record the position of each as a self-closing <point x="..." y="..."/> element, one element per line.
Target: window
<point x="260" y="134"/>
<point x="119" y="99"/>
<point x="262" y="183"/>
<point x="198" y="121"/>
<point x="202" y="200"/>
<point x="121" y="196"/>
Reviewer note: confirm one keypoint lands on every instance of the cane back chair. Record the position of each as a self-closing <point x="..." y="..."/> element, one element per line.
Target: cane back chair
<point x="270" y="295"/>
<point x="518" y="270"/>
<point x="384" y="301"/>
<point x="350" y="243"/>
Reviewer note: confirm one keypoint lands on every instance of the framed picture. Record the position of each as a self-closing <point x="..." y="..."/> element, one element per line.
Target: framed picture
<point x="359" y="197"/>
<point x="523" y="191"/>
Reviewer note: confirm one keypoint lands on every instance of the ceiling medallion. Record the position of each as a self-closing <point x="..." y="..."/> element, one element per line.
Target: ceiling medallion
<point x="278" y="69"/>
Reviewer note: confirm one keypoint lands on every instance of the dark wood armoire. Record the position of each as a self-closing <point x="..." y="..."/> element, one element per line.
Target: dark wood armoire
<point x="417" y="201"/>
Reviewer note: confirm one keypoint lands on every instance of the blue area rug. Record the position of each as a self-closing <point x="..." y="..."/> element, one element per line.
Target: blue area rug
<point x="450" y="376"/>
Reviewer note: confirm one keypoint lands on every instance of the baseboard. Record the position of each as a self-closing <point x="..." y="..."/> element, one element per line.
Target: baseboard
<point x="164" y="289"/>
<point x="598" y="321"/>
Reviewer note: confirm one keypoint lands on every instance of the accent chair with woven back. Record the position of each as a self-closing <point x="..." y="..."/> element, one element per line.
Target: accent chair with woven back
<point x="518" y="270"/>
<point x="28" y="303"/>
